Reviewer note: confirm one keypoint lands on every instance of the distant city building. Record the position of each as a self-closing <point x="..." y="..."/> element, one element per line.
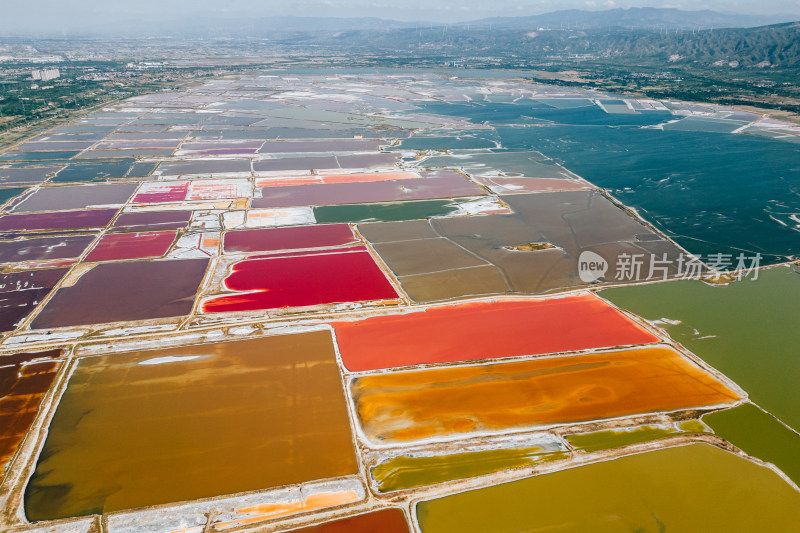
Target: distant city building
<point x="45" y="74"/>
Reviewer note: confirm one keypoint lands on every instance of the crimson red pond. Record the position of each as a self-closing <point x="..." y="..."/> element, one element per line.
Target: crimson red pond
<point x="132" y="245"/>
<point x="291" y="238"/>
<point x="303" y="279"/>
<point x="482" y="330"/>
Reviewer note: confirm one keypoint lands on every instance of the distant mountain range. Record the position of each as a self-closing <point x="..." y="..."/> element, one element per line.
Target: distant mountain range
<point x="260" y="27"/>
<point x="767" y="46"/>
<point x="632" y="18"/>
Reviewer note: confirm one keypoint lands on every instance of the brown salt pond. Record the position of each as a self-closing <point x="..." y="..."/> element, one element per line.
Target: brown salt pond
<point x="476" y="255"/>
<point x="153" y="427"/>
<point x="448" y="402"/>
<point x="24" y="380"/>
<point x="135" y="290"/>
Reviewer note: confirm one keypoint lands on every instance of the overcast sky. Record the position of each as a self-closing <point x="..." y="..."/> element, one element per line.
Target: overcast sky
<point x="43" y="13"/>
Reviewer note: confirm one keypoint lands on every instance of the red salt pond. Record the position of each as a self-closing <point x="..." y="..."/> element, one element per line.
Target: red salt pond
<point x="293" y="238"/>
<point x="132" y="245"/>
<point x="94" y="218"/>
<point x="482" y="330"/>
<point x="312" y="278"/>
<point x="152" y="193"/>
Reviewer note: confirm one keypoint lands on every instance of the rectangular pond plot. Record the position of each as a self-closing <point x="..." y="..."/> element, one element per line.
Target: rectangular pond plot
<point x="54" y="146"/>
<point x="95" y="218"/>
<point x="76" y="197"/>
<point x="24" y="380"/>
<point x="116" y="292"/>
<point x="506" y="185"/>
<point x="204" y="167"/>
<point x="383" y="521"/>
<point x="304" y="279"/>
<point x="157" y="192"/>
<point x="420" y="470"/>
<point x="328" y="145"/>
<point x="295" y="163"/>
<point x="139" y="152"/>
<point x="116" y="246"/>
<point x="319" y="179"/>
<point x="677" y="489"/>
<point x="163" y="144"/>
<point x="483" y="330"/>
<point x="7" y="194"/>
<point x="219" y="189"/>
<point x="44" y="248"/>
<point x="94" y="170"/>
<point x="293" y="238"/>
<point x="152" y="220"/>
<point x="37" y="156"/>
<point x="193" y="422"/>
<point x="384" y="211"/>
<point x="26" y="175"/>
<point x="448" y="402"/>
<point x="447" y="185"/>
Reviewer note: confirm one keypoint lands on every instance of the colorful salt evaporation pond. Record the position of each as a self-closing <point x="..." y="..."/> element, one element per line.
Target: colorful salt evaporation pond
<point x="24" y="380"/>
<point x="324" y="275"/>
<point x="689" y="488"/>
<point x="76" y="197"/>
<point x="483" y="330"/>
<point x="292" y="238"/>
<point x="760" y="435"/>
<point x="615" y="438"/>
<point x="21" y="292"/>
<point x="44" y="248"/>
<point x="749" y="330"/>
<point x="422" y="469"/>
<point x="444" y="184"/>
<point x="193" y="422"/>
<point x="383" y="521"/>
<point x="450" y="402"/>
<point x="117" y="292"/>
<point x="116" y="246"/>
<point x="397" y="211"/>
<point x="95" y="218"/>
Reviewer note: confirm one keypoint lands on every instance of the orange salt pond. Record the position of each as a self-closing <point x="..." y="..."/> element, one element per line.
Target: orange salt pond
<point x="448" y="402"/>
<point x="483" y="330"/>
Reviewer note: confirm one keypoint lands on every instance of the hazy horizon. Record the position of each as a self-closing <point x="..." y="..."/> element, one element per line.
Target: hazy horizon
<point x="79" y="15"/>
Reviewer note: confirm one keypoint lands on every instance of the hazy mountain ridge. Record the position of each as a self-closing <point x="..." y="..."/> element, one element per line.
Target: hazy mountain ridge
<point x="777" y="45"/>
<point x="635" y="17"/>
<point x="260" y="26"/>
